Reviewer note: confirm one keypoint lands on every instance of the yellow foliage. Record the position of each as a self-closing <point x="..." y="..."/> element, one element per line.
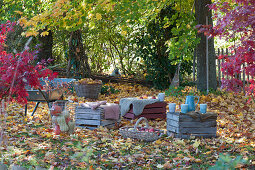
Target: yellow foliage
<point x="44" y="33"/>
<point x="98" y="16"/>
<point x="31" y="33"/>
<point x="90" y="16"/>
<point x="18" y="12"/>
<point x="22" y="21"/>
<point x="124" y="32"/>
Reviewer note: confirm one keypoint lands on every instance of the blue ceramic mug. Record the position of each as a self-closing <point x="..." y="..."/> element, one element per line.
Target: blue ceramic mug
<point x="184" y="108"/>
<point x="203" y="108"/>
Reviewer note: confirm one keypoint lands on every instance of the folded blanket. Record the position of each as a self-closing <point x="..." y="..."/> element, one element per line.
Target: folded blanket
<point x="94" y="105"/>
<point x="111" y="110"/>
<point x="138" y="105"/>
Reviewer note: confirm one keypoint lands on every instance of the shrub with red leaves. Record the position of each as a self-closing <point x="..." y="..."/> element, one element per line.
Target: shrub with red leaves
<point x="17" y="71"/>
<point x="235" y="20"/>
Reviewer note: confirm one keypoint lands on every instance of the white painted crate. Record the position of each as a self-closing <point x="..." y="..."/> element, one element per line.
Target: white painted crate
<point x="183" y="126"/>
<point x="86" y="117"/>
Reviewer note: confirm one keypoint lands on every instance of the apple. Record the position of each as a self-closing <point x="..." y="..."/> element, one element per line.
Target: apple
<point x="151" y="130"/>
<point x="153" y="97"/>
<point x="141" y="98"/>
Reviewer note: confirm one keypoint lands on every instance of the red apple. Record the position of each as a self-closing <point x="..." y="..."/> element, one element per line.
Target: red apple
<point x="151" y="130"/>
<point x="145" y="97"/>
<point x="141" y="97"/>
<point x="153" y="97"/>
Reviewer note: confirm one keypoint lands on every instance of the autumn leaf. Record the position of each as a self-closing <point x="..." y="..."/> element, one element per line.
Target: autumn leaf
<point x="196" y="143"/>
<point x="44" y="33"/>
<point x="98" y="16"/>
<point x="18" y="12"/>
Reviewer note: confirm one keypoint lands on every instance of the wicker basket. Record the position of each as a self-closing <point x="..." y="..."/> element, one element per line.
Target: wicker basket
<point x="136" y="133"/>
<point x="88" y="90"/>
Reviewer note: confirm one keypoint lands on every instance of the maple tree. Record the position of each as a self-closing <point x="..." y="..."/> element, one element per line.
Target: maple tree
<point x="17" y="71"/>
<point x="235" y="23"/>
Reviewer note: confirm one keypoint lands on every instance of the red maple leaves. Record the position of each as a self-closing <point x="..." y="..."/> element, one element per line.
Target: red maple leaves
<point x="235" y="22"/>
<point x="17" y="71"/>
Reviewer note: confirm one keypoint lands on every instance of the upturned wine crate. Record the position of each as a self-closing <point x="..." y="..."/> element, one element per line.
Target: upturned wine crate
<point x="183" y="126"/>
<point x="150" y="111"/>
<point x="91" y="119"/>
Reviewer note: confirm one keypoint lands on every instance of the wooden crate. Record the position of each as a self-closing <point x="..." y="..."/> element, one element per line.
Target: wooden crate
<point x="91" y="119"/>
<point x="151" y="111"/>
<point x="183" y="126"/>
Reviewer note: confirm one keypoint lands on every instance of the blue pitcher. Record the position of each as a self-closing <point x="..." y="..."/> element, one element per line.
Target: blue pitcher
<point x="190" y="100"/>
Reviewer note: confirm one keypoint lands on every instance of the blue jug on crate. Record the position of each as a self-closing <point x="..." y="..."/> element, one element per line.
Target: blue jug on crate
<point x="190" y="100"/>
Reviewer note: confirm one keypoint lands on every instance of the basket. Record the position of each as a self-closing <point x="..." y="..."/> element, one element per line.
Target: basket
<point x="136" y="133"/>
<point x="88" y="90"/>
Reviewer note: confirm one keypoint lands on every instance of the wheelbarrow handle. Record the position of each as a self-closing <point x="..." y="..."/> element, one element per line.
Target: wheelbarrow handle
<point x="43" y="95"/>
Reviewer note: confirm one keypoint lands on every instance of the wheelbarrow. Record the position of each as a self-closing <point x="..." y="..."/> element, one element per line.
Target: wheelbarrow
<point x="56" y="89"/>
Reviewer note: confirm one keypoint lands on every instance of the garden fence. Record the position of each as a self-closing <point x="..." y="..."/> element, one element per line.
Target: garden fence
<point x="242" y="76"/>
<point x="245" y="78"/>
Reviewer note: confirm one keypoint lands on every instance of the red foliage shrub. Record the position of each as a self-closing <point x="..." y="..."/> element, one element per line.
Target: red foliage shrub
<point x="17" y="71"/>
<point x="233" y="21"/>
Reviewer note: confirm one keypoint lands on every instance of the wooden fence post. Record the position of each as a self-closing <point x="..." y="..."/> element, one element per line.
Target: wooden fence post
<point x="219" y="68"/>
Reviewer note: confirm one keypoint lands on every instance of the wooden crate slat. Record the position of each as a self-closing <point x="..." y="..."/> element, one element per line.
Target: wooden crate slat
<point x="88" y="110"/>
<point x="198" y="130"/>
<point x="173" y="129"/>
<point x="156" y="105"/>
<point x="172" y="116"/>
<point x="172" y="122"/>
<point x="88" y="122"/>
<point x="151" y="110"/>
<point x="87" y="116"/>
<point x="198" y="124"/>
<point x="212" y="123"/>
<point x="185" y="118"/>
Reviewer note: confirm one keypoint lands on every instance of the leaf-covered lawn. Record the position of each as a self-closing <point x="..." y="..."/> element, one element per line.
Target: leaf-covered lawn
<point x="30" y="141"/>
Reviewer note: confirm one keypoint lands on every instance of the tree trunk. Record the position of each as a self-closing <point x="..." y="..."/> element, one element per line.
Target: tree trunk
<point x="46" y="45"/>
<point x="77" y="56"/>
<point x="201" y="11"/>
